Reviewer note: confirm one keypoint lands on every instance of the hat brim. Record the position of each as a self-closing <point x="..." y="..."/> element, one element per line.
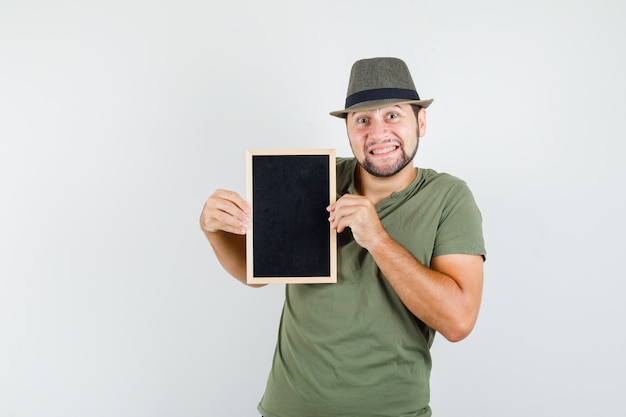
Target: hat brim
<point x="377" y="104"/>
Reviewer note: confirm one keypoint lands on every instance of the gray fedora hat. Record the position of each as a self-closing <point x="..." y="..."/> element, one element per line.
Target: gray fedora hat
<point x="379" y="82"/>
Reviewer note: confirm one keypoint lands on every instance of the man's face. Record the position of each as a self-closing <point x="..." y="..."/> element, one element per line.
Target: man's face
<point x="384" y="141"/>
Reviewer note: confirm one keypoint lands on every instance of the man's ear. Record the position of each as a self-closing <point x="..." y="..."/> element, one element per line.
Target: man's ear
<point x="421" y="121"/>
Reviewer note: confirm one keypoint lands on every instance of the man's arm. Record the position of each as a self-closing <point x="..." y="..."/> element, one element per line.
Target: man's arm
<point x="224" y="221"/>
<point x="445" y="296"/>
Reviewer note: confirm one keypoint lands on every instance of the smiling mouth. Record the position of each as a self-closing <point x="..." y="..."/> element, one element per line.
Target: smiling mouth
<point x="385" y="150"/>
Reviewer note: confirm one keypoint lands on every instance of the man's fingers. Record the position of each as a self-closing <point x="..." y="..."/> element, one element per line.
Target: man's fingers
<point x="234" y="198"/>
<point x="232" y="223"/>
<point x="219" y="220"/>
<point x="226" y="211"/>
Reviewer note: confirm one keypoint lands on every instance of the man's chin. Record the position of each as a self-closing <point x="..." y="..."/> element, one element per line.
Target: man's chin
<point x="383" y="171"/>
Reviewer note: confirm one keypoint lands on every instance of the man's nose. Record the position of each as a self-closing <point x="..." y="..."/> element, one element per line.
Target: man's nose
<point x="378" y="129"/>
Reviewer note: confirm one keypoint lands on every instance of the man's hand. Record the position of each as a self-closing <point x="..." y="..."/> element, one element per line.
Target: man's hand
<point x="226" y="211"/>
<point x="359" y="214"/>
<point x="445" y="296"/>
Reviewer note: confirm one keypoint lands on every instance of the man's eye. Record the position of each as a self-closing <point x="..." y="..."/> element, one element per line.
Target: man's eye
<point x="362" y="120"/>
<point x="393" y="115"/>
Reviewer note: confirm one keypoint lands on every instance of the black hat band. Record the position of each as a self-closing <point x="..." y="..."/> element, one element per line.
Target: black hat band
<point x="381" y="94"/>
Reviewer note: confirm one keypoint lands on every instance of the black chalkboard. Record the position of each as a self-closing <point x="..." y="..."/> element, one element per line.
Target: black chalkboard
<point x="290" y="239"/>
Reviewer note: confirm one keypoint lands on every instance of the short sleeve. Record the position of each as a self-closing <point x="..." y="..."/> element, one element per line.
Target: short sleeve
<point x="460" y="225"/>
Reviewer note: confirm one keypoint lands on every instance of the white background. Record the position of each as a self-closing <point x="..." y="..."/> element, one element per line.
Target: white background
<point x="119" y="118"/>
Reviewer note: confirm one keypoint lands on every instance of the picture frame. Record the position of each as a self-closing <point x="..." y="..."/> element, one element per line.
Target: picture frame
<point x="290" y="240"/>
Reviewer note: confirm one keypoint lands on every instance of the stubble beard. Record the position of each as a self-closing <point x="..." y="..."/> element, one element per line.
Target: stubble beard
<point x="388" y="171"/>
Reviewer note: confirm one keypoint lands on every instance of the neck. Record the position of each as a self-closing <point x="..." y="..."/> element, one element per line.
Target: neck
<point x="376" y="189"/>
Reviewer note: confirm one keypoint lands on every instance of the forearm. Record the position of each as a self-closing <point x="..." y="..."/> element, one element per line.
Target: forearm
<point x="224" y="220"/>
<point x="446" y="304"/>
<point x="230" y="250"/>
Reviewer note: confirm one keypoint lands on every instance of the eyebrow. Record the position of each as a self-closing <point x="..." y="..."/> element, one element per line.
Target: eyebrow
<point x="354" y="114"/>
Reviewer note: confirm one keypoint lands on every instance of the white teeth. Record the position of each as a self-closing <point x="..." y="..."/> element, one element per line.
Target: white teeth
<point x="383" y="150"/>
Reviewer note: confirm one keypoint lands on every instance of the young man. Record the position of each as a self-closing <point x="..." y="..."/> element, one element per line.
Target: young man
<point x="410" y="263"/>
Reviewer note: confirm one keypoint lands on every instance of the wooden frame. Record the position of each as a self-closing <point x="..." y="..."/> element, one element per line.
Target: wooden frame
<point x="290" y="239"/>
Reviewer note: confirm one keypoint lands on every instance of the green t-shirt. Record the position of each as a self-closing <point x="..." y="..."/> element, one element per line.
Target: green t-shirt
<point x="353" y="348"/>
